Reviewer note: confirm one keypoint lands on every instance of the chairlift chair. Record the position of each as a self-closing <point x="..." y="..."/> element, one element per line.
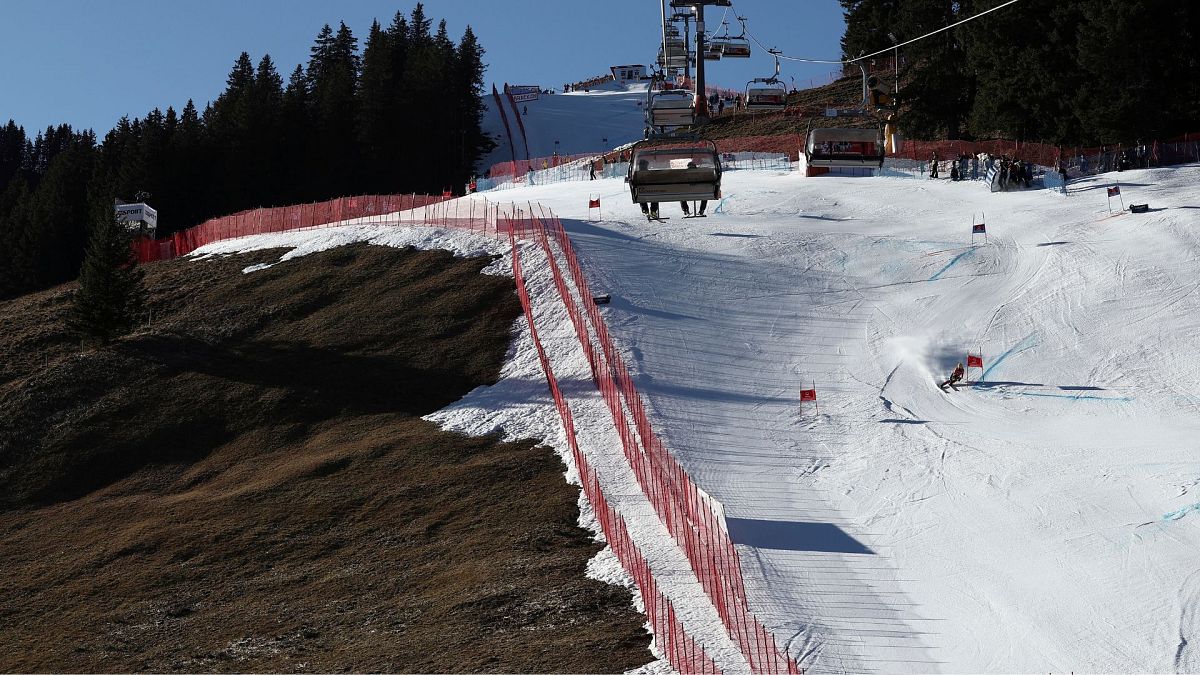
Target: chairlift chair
<point x="735" y="46"/>
<point x="674" y="169"/>
<point x="845" y="147"/>
<point x="854" y="147"/>
<point x="675" y="62"/>
<point x="736" y="49"/>
<point x="674" y="108"/>
<point x="767" y="93"/>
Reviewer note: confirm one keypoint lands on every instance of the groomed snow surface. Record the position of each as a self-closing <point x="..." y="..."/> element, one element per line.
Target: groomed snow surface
<point x="1043" y="519"/>
<point x="579" y="122"/>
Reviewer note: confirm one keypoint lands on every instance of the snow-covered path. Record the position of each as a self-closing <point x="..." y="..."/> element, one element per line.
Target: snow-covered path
<point x="1039" y="521"/>
<point x="608" y="116"/>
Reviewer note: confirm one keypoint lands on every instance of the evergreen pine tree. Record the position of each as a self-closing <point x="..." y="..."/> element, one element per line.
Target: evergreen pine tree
<point x="1140" y="80"/>
<point x="333" y="80"/>
<point x="1033" y="101"/>
<point x="868" y="24"/>
<point x="58" y="215"/>
<point x="939" y="88"/>
<point x="376" y="124"/>
<point x="17" y="248"/>
<point x="298" y="159"/>
<point x="111" y="294"/>
<point x="469" y="88"/>
<point x="12" y="151"/>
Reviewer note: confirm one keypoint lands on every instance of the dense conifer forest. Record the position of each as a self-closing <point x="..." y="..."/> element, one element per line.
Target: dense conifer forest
<point x="1078" y="72"/>
<point x="344" y="123"/>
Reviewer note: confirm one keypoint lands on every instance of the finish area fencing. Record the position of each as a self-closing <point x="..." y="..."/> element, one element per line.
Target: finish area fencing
<point x="694" y="519"/>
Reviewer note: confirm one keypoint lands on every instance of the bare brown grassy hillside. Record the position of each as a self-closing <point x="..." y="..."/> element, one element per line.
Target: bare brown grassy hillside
<point x="247" y="485"/>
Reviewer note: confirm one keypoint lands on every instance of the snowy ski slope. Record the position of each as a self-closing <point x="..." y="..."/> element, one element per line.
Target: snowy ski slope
<point x="578" y="121"/>
<point x="1044" y="519"/>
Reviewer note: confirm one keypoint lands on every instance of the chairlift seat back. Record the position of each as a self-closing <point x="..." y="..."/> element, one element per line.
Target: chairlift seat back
<point x="674" y="174"/>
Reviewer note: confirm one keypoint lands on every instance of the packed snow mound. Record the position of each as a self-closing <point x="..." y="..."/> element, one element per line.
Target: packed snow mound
<point x="304" y="242"/>
<point x="1044" y="517"/>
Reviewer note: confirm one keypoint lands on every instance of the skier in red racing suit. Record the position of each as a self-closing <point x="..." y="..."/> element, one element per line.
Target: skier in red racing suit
<point x="955" y="377"/>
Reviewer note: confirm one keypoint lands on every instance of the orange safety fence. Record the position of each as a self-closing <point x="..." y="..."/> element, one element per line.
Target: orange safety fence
<point x="282" y="219"/>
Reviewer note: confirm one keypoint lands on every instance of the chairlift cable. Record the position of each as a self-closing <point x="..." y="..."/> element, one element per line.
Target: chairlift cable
<point x="896" y="46"/>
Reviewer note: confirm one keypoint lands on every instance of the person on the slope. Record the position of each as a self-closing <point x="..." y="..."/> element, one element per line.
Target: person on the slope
<point x="955" y="377"/>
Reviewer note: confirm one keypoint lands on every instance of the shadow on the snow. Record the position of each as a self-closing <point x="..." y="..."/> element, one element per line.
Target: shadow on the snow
<point x="789" y="536"/>
<point x="1106" y="185"/>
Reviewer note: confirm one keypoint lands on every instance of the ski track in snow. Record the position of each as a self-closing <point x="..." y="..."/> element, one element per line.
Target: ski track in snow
<point x="1016" y="525"/>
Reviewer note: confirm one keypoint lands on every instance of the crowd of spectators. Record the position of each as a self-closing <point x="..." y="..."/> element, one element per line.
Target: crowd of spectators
<point x="1011" y="172"/>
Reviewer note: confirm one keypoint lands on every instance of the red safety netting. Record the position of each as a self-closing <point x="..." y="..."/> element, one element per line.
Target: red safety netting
<point x="690" y="515"/>
<point x="372" y="208"/>
<point x="684" y="653"/>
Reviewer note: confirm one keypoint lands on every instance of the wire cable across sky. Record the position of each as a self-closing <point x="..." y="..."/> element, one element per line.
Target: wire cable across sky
<point x="882" y="51"/>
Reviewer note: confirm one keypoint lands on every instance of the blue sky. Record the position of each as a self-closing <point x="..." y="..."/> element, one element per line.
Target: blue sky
<point x="88" y="62"/>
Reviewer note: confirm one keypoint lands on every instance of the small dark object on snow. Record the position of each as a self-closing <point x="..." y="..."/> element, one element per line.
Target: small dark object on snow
<point x="1139" y="208"/>
<point x="602" y="299"/>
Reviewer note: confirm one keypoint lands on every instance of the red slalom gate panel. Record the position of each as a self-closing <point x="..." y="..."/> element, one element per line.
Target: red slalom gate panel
<point x="683" y="653"/>
<point x="686" y="512"/>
